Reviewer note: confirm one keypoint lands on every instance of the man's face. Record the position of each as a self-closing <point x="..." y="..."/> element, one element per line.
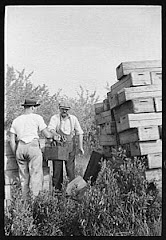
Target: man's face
<point x="64" y="112"/>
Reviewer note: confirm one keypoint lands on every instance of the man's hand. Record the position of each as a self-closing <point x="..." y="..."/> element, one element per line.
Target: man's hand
<point x="81" y="150"/>
<point x="57" y="137"/>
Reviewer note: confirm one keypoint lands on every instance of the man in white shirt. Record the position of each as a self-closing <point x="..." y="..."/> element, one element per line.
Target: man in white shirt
<point x="24" y="129"/>
<point x="65" y="126"/>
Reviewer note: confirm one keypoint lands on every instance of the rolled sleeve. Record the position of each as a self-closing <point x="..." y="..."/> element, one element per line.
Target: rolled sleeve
<point x="53" y="123"/>
<point x="42" y="124"/>
<point x="77" y="127"/>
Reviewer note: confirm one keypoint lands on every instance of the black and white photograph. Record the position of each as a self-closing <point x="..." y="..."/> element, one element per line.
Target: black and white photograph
<point x="83" y="120"/>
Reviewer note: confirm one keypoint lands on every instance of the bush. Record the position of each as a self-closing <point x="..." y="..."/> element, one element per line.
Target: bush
<point x="120" y="203"/>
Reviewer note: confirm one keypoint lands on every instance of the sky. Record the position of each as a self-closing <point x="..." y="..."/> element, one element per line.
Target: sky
<point x="68" y="46"/>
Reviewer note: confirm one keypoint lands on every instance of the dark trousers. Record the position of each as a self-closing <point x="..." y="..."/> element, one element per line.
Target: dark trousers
<point x="58" y="170"/>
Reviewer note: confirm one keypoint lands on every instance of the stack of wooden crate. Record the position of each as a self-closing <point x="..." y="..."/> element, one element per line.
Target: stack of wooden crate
<point x="107" y="127"/>
<point x="135" y="103"/>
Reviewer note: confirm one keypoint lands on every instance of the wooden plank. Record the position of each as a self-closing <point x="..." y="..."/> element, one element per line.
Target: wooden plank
<point x="108" y="128"/>
<point x="126" y="67"/>
<point x="99" y="107"/>
<point x="156" y="77"/>
<point x="139" y="134"/>
<point x="138" y="120"/>
<point x="158" y="104"/>
<point x="144" y="148"/>
<point x="139" y="105"/>
<point x="139" y="92"/>
<point x="132" y="79"/>
<point x="113" y="99"/>
<point x="154" y="160"/>
<point x="103" y="117"/>
<point x="7" y="192"/>
<point x="105" y="140"/>
<point x="106" y="105"/>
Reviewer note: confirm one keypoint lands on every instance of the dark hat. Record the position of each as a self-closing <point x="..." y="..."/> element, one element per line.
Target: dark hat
<point x="30" y="102"/>
<point x="64" y="104"/>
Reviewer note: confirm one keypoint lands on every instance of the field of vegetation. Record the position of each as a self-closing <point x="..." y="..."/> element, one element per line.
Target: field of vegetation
<point x="120" y="203"/>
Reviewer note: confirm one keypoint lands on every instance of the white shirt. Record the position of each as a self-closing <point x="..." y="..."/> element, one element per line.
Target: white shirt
<point x="67" y="125"/>
<point x="26" y="126"/>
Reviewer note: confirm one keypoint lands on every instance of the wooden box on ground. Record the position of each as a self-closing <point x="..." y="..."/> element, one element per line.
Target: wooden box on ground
<point x="139" y="134"/>
<point x="126" y="67"/>
<point x="155" y="174"/>
<point x="98" y="107"/>
<point x="132" y="79"/>
<point x="158" y="104"/>
<point x="113" y="99"/>
<point x="106" y="105"/>
<point x="108" y="128"/>
<point x="138" y="105"/>
<point x="138" y="92"/>
<point x="154" y="160"/>
<point x="108" y="140"/>
<point x="156" y="77"/>
<point x="144" y="148"/>
<point x="138" y="120"/>
<point x="103" y="117"/>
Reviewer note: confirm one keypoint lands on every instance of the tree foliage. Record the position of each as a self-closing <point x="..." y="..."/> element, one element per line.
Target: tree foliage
<point x="18" y="87"/>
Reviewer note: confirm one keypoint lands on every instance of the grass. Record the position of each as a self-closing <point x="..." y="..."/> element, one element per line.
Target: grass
<point x="121" y="203"/>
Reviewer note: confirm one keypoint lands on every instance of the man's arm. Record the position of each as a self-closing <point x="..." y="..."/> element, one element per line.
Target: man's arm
<point x="13" y="142"/>
<point x="80" y="137"/>
<point x="47" y="133"/>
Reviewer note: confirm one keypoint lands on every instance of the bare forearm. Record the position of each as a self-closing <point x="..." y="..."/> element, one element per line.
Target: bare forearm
<point x="81" y="141"/>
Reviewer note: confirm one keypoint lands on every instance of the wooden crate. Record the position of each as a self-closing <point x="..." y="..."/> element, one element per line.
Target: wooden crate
<point x="103" y="117"/>
<point x="155" y="174"/>
<point x="132" y="79"/>
<point x="108" y="128"/>
<point x="154" y="160"/>
<point x="7" y="192"/>
<point x="139" y="92"/>
<point x="138" y="105"/>
<point x="106" y="105"/>
<point x="139" y="134"/>
<point x="98" y="107"/>
<point x="138" y="120"/>
<point x="156" y="77"/>
<point x="158" y="104"/>
<point x="126" y="67"/>
<point x="107" y="140"/>
<point x="113" y="99"/>
<point x="144" y="148"/>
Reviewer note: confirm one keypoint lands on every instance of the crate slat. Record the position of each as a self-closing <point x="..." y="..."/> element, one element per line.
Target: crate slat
<point x="154" y="160"/>
<point x="155" y="174"/>
<point x="126" y="67"/>
<point x="144" y="148"/>
<point x="105" y="140"/>
<point x="139" y="92"/>
<point x="156" y="77"/>
<point x="140" y="105"/>
<point x="138" y="120"/>
<point x="107" y="128"/>
<point x="106" y="105"/>
<point x="139" y="134"/>
<point x="99" y="107"/>
<point x="132" y="79"/>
